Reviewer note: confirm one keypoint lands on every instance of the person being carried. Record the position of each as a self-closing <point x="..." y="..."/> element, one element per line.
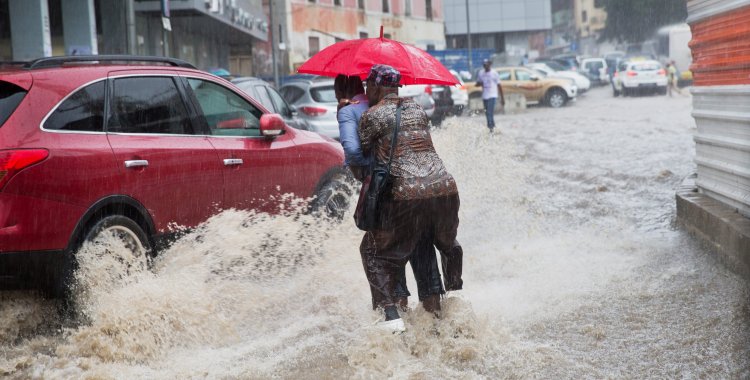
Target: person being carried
<point x="422" y="202"/>
<point x="352" y="102"/>
<point x="489" y="80"/>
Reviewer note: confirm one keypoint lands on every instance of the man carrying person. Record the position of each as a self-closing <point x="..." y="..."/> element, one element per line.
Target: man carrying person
<point x="489" y="80"/>
<point x="422" y="202"/>
<point x="350" y="94"/>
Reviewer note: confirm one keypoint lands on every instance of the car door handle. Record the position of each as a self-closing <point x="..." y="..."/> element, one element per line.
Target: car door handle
<point x="135" y="163"/>
<point x="232" y="161"/>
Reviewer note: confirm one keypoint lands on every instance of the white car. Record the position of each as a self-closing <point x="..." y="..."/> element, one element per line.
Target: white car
<point x="422" y="94"/>
<point x="596" y="69"/>
<point x="640" y="76"/>
<point x="580" y="81"/>
<point x="459" y="94"/>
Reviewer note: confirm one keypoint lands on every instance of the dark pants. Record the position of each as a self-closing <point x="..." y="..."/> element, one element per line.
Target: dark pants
<point x="405" y="225"/>
<point x="489" y="110"/>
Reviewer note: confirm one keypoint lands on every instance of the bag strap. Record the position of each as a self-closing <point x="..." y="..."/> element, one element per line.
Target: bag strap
<point x="395" y="137"/>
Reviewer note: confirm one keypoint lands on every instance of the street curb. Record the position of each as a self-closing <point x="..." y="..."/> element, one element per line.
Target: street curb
<point x="721" y="227"/>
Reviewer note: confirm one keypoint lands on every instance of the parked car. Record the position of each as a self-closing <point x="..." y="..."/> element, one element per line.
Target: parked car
<point x="637" y="76"/>
<point x="596" y="70"/>
<point x="263" y="92"/>
<point x="422" y="94"/>
<point x="555" y="92"/>
<point x="130" y="150"/>
<point x="569" y="61"/>
<point x="315" y="102"/>
<point x="459" y="94"/>
<point x="582" y="82"/>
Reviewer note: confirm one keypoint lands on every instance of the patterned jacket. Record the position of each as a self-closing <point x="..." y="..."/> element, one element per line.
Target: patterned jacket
<point x="417" y="170"/>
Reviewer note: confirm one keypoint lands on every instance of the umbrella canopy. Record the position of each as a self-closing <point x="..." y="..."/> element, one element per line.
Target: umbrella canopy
<point x="356" y="57"/>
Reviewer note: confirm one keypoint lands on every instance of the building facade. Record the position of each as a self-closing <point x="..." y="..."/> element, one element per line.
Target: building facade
<point x="207" y="33"/>
<point x="304" y="27"/>
<point x="513" y="28"/>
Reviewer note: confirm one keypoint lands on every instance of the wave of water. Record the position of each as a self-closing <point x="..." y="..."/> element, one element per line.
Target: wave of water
<point x="573" y="269"/>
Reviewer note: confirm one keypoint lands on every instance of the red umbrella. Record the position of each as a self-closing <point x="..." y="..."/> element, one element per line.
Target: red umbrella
<point x="356" y="57"/>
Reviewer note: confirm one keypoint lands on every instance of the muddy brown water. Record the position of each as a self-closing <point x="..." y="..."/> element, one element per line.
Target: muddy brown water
<point x="574" y="268"/>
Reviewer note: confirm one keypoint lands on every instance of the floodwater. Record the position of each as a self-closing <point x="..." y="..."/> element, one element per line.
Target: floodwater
<point x="574" y="268"/>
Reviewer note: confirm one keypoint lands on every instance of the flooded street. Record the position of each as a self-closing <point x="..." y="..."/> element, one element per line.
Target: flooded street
<point x="574" y="268"/>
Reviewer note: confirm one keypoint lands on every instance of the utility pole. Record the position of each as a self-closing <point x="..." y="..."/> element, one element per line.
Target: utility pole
<point x="468" y="36"/>
<point x="273" y="44"/>
<point x="130" y="27"/>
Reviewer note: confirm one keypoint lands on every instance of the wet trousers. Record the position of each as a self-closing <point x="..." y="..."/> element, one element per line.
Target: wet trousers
<point x="489" y="110"/>
<point x="404" y="226"/>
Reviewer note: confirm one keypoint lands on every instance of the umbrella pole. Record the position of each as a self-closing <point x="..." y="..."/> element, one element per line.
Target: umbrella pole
<point x="381" y="32"/>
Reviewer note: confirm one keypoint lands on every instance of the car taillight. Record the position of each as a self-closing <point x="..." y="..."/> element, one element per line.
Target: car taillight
<point x="428" y="89"/>
<point x="462" y="87"/>
<point x="313" y="111"/>
<point x="13" y="161"/>
<point x="662" y="72"/>
<point x="632" y="73"/>
<point x="616" y="74"/>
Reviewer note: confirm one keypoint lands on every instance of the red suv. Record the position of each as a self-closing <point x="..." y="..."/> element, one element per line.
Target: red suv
<point x="134" y="145"/>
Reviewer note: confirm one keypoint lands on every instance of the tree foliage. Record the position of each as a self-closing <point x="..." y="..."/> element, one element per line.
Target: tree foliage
<point x="638" y="20"/>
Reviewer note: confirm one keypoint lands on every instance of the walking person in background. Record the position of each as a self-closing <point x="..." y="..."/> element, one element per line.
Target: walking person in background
<point x="672" y="79"/>
<point x="422" y="200"/>
<point x="489" y="80"/>
<point x="352" y="103"/>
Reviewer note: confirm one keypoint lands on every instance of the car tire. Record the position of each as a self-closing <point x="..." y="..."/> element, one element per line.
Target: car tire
<point x="332" y="199"/>
<point x="123" y="226"/>
<point x="556" y="98"/>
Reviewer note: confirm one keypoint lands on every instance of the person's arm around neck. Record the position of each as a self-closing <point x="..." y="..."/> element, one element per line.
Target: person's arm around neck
<point x="348" y="124"/>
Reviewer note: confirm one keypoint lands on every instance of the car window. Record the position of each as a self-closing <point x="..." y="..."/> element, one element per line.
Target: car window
<point x="10" y="97"/>
<point x="278" y="102"/>
<point x="523" y="75"/>
<point x="226" y="113"/>
<point x="504" y="74"/>
<point x="263" y="97"/>
<point x="623" y="66"/>
<point x="248" y="89"/>
<point x="555" y="66"/>
<point x="291" y="93"/>
<point x="148" y="105"/>
<point x="323" y="94"/>
<point x="82" y="111"/>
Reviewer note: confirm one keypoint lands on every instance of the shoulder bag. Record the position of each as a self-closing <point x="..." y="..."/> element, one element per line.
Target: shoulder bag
<point x="374" y="186"/>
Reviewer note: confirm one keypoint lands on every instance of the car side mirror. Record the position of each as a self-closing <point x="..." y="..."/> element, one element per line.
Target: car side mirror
<point x="534" y="78"/>
<point x="293" y="110"/>
<point x="232" y="124"/>
<point x="271" y="125"/>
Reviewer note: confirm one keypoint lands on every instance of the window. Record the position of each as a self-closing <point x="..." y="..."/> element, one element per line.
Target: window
<point x="598" y="3"/>
<point x="504" y="74"/>
<point x="428" y="9"/>
<point x="386" y="8"/>
<point x="362" y="34"/>
<point x="584" y="16"/>
<point x="361" y="4"/>
<point x="523" y="75"/>
<point x="387" y="35"/>
<point x="292" y="93"/>
<point x="337" y="3"/>
<point x="10" y="97"/>
<point x="313" y="44"/>
<point x="226" y="113"/>
<point x="278" y="103"/>
<point x="407" y="8"/>
<point x="323" y="94"/>
<point x="148" y="105"/>
<point x="82" y="111"/>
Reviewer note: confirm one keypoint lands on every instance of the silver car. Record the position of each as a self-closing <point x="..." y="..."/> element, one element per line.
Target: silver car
<point x="263" y="92"/>
<point x="315" y="102"/>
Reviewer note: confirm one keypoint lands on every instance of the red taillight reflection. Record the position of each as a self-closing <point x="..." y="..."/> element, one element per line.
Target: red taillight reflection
<point x="632" y="73"/>
<point x="662" y="72"/>
<point x="313" y="111"/>
<point x="428" y="89"/>
<point x="13" y="161"/>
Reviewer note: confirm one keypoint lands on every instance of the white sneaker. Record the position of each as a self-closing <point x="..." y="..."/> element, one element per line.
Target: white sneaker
<point x="395" y="326"/>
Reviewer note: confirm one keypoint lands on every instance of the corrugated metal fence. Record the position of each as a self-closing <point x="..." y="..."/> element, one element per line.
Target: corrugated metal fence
<point x="721" y="99"/>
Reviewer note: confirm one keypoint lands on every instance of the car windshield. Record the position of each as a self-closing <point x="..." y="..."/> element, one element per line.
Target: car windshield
<point x="555" y="66"/>
<point x="323" y="94"/>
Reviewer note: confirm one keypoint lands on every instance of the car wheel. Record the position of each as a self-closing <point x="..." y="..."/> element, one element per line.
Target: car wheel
<point x="556" y="98"/>
<point x="332" y="200"/>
